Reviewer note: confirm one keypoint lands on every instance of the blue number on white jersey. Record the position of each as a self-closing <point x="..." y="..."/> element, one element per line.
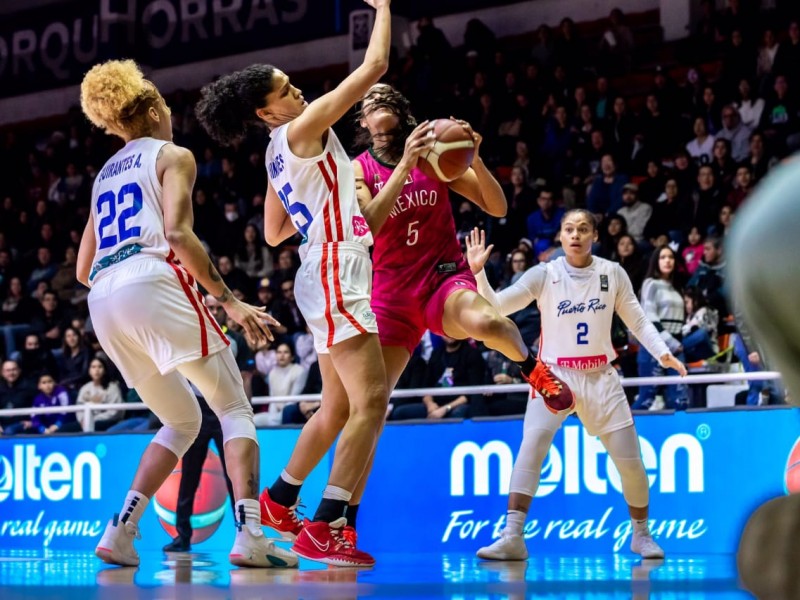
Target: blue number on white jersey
<point x="301" y="216"/>
<point x="130" y="197"/>
<point x="583" y="331"/>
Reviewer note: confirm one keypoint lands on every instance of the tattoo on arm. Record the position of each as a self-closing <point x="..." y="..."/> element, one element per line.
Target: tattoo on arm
<point x="224" y="297"/>
<point x="213" y="273"/>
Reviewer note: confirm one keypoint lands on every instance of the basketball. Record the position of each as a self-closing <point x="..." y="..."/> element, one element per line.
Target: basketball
<point x="792" y="477"/>
<point x="210" y="501"/>
<point x="452" y="153"/>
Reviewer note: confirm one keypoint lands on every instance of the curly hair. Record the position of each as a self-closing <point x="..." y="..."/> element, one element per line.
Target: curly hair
<point x="227" y="106"/>
<point x="384" y="96"/>
<point x="115" y="96"/>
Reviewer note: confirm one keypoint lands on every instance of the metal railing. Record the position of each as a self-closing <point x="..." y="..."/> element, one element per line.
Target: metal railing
<point x="88" y="410"/>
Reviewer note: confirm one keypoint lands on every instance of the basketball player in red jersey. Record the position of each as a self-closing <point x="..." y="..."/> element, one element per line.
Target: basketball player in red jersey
<point x="420" y="278"/>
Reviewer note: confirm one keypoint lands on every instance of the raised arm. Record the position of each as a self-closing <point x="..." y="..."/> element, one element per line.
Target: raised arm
<point x="177" y="171"/>
<point x="478" y="184"/>
<point x="513" y="298"/>
<point x="329" y="108"/>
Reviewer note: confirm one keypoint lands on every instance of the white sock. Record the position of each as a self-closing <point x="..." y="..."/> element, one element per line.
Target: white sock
<point x="515" y="522"/>
<point x="248" y="512"/>
<point x="289" y="479"/>
<point x="640" y="526"/>
<point x="133" y="507"/>
<point x="336" y="493"/>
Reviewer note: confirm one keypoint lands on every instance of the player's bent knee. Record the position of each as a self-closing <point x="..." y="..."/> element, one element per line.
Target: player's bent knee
<point x="334" y="417"/>
<point x="178" y="437"/>
<point x="237" y="422"/>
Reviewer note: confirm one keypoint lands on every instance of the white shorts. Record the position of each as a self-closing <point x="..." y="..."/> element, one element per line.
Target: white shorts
<point x="332" y="289"/>
<point x="149" y="317"/>
<point x="600" y="401"/>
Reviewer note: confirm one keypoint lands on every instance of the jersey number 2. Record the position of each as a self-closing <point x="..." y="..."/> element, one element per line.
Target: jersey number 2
<point x="583" y="331"/>
<point x="130" y="193"/>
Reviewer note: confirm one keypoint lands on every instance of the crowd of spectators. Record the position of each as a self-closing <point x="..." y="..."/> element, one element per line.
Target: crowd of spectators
<point x="663" y="153"/>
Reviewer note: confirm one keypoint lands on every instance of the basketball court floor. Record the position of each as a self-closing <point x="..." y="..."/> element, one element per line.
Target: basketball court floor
<point x="208" y="576"/>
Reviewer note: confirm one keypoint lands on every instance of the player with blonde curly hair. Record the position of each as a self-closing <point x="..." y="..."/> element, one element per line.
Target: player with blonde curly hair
<point x="141" y="260"/>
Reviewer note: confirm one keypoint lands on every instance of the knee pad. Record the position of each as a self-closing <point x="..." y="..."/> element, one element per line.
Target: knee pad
<point x="218" y="379"/>
<point x="238" y="422"/>
<point x="178" y="437"/>
<point x="635" y="486"/>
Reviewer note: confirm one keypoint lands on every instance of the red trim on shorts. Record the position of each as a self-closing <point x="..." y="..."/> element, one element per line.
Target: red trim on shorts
<point x="327" y="289"/>
<point x="337" y="286"/>
<point x="211" y="319"/>
<point x="337" y="213"/>
<point x="188" y="291"/>
<point x="201" y="301"/>
<point x="325" y="209"/>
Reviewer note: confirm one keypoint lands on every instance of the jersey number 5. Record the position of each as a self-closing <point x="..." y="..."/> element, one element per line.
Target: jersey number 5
<point x="130" y="194"/>
<point x="583" y="332"/>
<point x="413" y="234"/>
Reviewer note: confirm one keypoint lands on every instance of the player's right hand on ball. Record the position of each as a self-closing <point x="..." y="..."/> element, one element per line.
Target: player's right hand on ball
<point x="477" y="252"/>
<point x="418" y="143"/>
<point x="254" y="320"/>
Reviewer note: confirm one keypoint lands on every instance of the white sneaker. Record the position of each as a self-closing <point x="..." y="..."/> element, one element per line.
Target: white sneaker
<point x="252" y="549"/>
<point x="507" y="547"/>
<point x="644" y="544"/>
<point x="116" y="545"/>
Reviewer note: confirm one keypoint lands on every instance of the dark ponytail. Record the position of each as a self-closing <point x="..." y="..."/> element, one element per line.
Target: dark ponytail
<point x="227" y="107"/>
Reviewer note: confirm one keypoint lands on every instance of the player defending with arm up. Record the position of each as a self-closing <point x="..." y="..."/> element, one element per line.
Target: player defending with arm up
<point x="577" y="295"/>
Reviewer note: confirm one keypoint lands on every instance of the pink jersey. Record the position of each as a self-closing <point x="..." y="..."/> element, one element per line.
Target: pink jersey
<point x="419" y="234"/>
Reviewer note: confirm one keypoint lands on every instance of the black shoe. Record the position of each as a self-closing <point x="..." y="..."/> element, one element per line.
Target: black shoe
<point x="179" y="544"/>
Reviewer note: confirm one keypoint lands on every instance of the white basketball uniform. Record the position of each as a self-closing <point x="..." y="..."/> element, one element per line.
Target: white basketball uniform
<point x="333" y="285"/>
<point x="146" y="309"/>
<point x="577" y="306"/>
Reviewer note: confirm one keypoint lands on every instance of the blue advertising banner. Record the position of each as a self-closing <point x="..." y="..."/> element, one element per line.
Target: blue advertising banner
<point x="448" y="484"/>
<point x="441" y="486"/>
<point x="59" y="492"/>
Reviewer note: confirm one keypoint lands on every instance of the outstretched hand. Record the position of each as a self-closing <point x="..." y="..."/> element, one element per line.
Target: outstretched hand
<point x="254" y="320"/>
<point x="477" y="252"/>
<point x="668" y="361"/>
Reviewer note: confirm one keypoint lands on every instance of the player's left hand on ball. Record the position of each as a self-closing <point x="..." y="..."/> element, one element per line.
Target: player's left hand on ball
<point x="419" y="142"/>
<point x="670" y="362"/>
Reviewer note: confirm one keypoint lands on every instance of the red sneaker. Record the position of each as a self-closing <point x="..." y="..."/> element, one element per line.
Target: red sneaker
<point x="282" y="519"/>
<point x="327" y="543"/>
<point x="557" y="395"/>
<point x="349" y="533"/>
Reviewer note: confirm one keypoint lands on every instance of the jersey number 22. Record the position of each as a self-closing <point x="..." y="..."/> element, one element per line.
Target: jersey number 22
<point x="129" y="198"/>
